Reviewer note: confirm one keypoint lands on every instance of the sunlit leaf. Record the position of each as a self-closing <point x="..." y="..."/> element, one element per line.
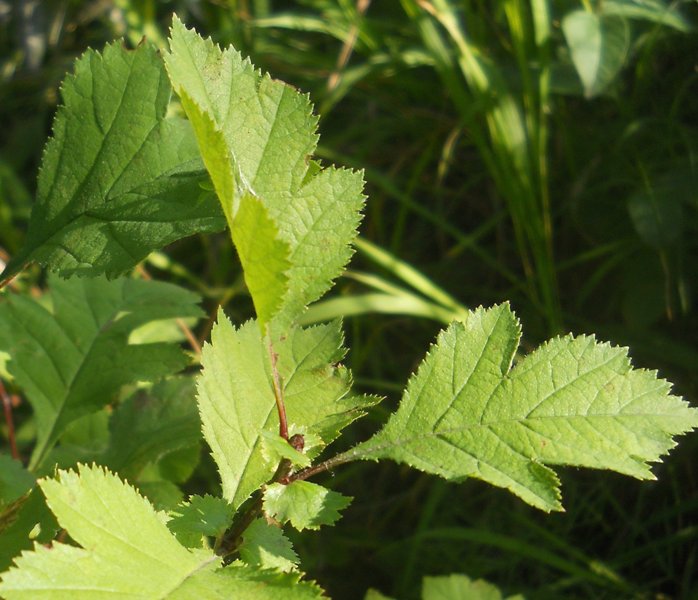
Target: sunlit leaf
<point x="127" y="551"/>
<point x="118" y="179"/>
<point x="256" y="137"/>
<point x="573" y="401"/>
<point x="304" y="504"/>
<point x="266" y="546"/>
<point x="236" y="397"/>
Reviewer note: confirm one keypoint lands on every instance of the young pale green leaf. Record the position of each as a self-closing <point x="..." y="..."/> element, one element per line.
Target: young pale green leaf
<point x="304" y="504"/>
<point x="275" y="449"/>
<point x="573" y="401"/>
<point x="72" y="360"/>
<point x="461" y="587"/>
<point x="264" y="257"/>
<point x="200" y="516"/>
<point x="127" y="551"/>
<point x="266" y="131"/>
<point x="265" y="546"/>
<point x="236" y="397"/>
<point x="242" y="582"/>
<point x="117" y="179"/>
<point x="152" y="424"/>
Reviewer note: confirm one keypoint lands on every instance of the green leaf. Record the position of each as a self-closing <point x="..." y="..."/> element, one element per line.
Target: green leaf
<point x="372" y="594"/>
<point x="256" y="137"/>
<point x="305" y="505"/>
<point x="127" y="551"/>
<point x="573" y="401"/>
<point x="72" y="360"/>
<point x="117" y="179"/>
<point x="656" y="209"/>
<point x="85" y="440"/>
<point x="653" y="11"/>
<point x="24" y="522"/>
<point x="152" y="424"/>
<point x="460" y="587"/>
<point x="15" y="481"/>
<point x="200" y="516"/>
<point x="276" y="448"/>
<point x="251" y="583"/>
<point x="127" y="547"/>
<point x="265" y="546"/>
<point x="264" y="257"/>
<point x="236" y="397"/>
<point x="599" y="46"/>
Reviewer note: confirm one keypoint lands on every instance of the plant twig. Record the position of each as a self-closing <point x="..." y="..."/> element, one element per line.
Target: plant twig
<point x="7" y="407"/>
<point x="186" y="330"/>
<point x="327" y="465"/>
<point x="278" y="393"/>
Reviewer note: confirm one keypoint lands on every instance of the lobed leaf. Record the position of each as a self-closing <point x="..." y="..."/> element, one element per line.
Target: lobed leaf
<point x="304" y="504"/>
<point x="461" y="587"/>
<point x="198" y="517"/>
<point x="118" y="179"/>
<point x="265" y="546"/>
<point x="127" y="551"/>
<point x="256" y="137"/>
<point x="573" y="401"/>
<point x="71" y="360"/>
<point x="237" y="403"/>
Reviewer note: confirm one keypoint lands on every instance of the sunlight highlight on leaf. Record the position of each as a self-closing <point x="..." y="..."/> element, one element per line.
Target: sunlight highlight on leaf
<point x="573" y="401"/>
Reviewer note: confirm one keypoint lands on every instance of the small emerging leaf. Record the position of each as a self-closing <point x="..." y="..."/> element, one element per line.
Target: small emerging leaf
<point x="276" y="448"/>
<point x="304" y="504"/>
<point x="573" y="401"/>
<point x="236" y="398"/>
<point x="200" y="516"/>
<point x="265" y="546"/>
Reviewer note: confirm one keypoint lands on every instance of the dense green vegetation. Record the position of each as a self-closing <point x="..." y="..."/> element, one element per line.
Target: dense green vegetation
<point x="574" y="199"/>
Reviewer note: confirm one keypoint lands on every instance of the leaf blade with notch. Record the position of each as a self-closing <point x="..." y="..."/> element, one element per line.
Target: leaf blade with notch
<point x="127" y="551"/>
<point x="267" y="132"/>
<point x="573" y="401"/>
<point x="237" y="402"/>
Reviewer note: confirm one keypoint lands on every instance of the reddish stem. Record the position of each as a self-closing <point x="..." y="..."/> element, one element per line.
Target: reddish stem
<point x="188" y="333"/>
<point x="7" y="406"/>
<point x="278" y="394"/>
